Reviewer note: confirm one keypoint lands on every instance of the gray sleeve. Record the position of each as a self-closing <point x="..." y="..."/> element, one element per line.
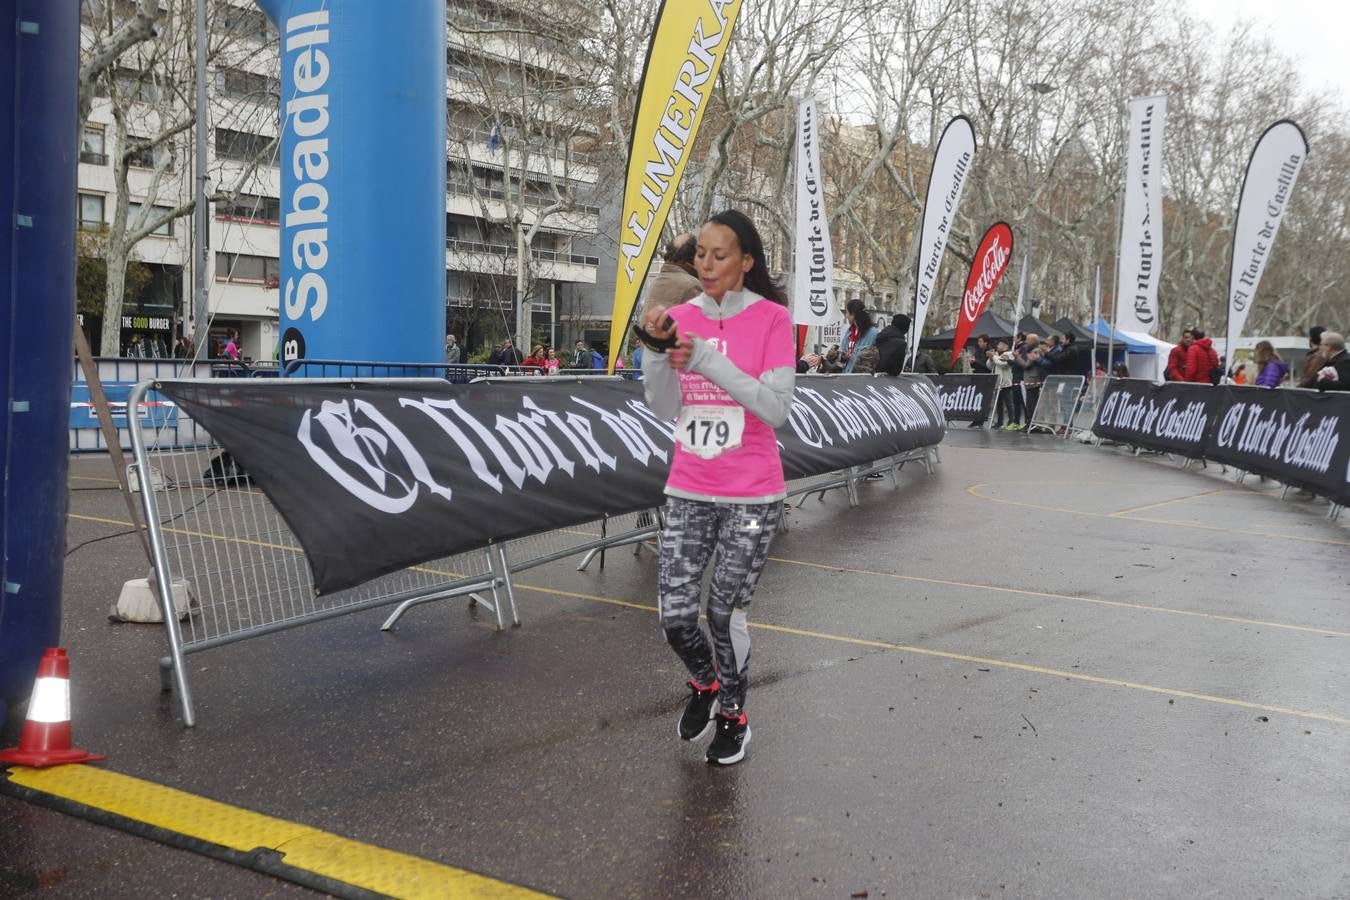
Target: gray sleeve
<point x="769" y="396"/>
<point x="660" y="384"/>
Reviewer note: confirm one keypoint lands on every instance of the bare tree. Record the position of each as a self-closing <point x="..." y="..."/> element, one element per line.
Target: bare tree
<point x="144" y="81"/>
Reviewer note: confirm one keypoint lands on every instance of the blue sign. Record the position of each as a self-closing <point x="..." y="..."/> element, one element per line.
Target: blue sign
<point x="155" y="411"/>
<point x="362" y="179"/>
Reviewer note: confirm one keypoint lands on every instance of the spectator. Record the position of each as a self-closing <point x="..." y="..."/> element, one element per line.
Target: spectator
<point x="1176" y="360"/>
<point x="537" y="358"/>
<point x="1031" y="362"/>
<point x="862" y="337"/>
<point x="1000" y="360"/>
<point x="1120" y="371"/>
<point x="1019" y="395"/>
<point x="677" y="280"/>
<point x="891" y="345"/>
<point x="231" y="348"/>
<point x="184" y="348"/>
<point x="1202" y="362"/>
<point x="1312" y="360"/>
<point x="551" y="363"/>
<point x="452" y="351"/>
<point x="1335" y="372"/>
<point x="924" y="365"/>
<point x="979" y="361"/>
<point x="597" y="360"/>
<point x="1273" y="370"/>
<point x="581" y="356"/>
<point x="830" y="364"/>
<point x="1066" y="358"/>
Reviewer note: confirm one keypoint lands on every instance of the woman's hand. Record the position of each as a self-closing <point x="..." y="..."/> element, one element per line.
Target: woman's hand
<point x="682" y="352"/>
<point x="653" y="322"/>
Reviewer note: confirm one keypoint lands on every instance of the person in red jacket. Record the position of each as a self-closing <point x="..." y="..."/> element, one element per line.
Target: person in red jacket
<point x="1201" y="359"/>
<point x="1176" y="360"/>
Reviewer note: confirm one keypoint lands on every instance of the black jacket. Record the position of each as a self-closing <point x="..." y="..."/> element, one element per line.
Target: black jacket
<point x="891" y="347"/>
<point x="1341" y="363"/>
<point x="1066" y="361"/>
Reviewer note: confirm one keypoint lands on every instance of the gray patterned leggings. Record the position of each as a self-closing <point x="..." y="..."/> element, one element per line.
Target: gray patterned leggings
<point x="740" y="534"/>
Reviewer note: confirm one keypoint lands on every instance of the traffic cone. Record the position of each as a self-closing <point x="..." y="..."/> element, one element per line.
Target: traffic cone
<point x="46" y="733"/>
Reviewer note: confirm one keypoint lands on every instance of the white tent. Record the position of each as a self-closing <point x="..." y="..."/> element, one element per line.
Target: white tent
<point x="1143" y="365"/>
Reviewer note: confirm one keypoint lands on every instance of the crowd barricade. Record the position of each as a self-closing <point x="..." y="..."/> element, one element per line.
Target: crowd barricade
<point x="236" y="566"/>
<point x="1298" y="437"/>
<point x="1056" y="403"/>
<point x="155" y="414"/>
<point x="967" y="397"/>
<point x="1088" y="404"/>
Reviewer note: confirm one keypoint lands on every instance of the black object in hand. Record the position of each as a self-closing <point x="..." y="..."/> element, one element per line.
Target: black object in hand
<point x="660" y="345"/>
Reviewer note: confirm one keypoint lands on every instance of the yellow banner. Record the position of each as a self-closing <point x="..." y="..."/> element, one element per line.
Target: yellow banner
<point x="688" y="45"/>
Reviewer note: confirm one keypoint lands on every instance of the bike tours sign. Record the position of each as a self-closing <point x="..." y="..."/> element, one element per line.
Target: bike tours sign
<point x="376" y="477"/>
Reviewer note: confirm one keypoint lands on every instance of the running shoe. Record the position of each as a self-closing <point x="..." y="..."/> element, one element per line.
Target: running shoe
<point x="699" y="711"/>
<point x="728" y="745"/>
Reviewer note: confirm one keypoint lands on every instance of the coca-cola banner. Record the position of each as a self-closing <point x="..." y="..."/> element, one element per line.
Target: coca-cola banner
<point x="1299" y="437"/>
<point x="1141" y="227"/>
<point x="966" y="398"/>
<point x="1266" y="188"/>
<point x="1175" y="417"/>
<point x="951" y="164"/>
<point x="376" y="477"/>
<point x="991" y="261"/>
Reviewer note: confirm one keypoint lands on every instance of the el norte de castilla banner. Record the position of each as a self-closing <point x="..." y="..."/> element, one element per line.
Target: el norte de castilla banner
<point x="1141" y="223"/>
<point x="813" y="285"/>
<point x="372" y="478"/>
<point x="951" y="165"/>
<point x="1273" y="169"/>
<point x="689" y="42"/>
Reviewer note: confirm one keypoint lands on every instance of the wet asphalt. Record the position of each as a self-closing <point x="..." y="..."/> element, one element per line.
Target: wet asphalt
<point x="1047" y="670"/>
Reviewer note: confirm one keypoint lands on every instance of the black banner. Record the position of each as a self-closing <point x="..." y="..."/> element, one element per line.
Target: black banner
<point x="1175" y="417"/>
<point x="1299" y="437"/>
<point x="967" y="398"/>
<point x="376" y="477"/>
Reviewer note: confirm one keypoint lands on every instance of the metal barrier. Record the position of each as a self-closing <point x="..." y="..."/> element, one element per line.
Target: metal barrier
<point x="235" y="566"/>
<point x="119" y="376"/>
<point x="1086" y="414"/>
<point x="1056" y="403"/>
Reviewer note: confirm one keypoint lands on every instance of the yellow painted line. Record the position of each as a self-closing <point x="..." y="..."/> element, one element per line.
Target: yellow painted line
<point x="982" y="660"/>
<point x="1073" y="598"/>
<point x="308" y="849"/>
<point x="991" y="662"/>
<point x="893" y="575"/>
<point x="91" y="478"/>
<point x="973" y="490"/>
<point x="1133" y="509"/>
<point x="99" y="519"/>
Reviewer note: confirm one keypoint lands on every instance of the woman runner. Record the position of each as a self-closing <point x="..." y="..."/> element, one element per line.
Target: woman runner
<point x="728" y="380"/>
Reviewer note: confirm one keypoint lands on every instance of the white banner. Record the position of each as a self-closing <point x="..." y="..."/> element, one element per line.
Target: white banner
<point x="1141" y="230"/>
<point x="951" y="164"/>
<point x="813" y="286"/>
<point x="1271" y="173"/>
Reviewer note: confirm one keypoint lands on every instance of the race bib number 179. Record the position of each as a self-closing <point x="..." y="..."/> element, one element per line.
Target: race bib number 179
<point x="710" y="431"/>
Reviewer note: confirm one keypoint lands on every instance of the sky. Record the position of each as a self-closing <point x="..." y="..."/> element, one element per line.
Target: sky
<point x="1312" y="32"/>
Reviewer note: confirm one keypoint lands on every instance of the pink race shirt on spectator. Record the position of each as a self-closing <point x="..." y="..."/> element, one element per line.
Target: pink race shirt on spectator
<point x="757" y="339"/>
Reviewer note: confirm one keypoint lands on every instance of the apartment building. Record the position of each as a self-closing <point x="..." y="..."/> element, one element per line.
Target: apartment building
<point x="512" y="174"/>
